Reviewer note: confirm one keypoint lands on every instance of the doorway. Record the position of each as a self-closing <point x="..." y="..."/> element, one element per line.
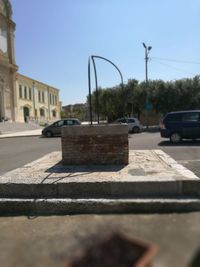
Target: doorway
<point x="26" y="114"/>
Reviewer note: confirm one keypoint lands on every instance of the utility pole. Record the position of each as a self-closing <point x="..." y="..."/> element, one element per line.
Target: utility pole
<point x="147" y="49"/>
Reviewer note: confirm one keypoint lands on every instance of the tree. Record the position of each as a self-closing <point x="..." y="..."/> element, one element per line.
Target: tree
<point x="164" y="96"/>
<point x="62" y="114"/>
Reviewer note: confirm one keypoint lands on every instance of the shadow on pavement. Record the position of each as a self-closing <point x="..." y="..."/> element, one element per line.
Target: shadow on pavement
<point x="151" y="129"/>
<point x="78" y="169"/>
<point x="183" y="143"/>
<point x="195" y="262"/>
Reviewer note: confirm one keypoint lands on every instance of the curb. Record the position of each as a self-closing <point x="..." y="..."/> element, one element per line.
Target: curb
<point x="16" y="136"/>
<point x="98" y="190"/>
<point x="95" y="206"/>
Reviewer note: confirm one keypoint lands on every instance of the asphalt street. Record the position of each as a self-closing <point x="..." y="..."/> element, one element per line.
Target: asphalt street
<point x="15" y="152"/>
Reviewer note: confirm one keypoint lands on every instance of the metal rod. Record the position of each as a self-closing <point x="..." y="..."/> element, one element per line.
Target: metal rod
<point x="147" y="96"/>
<point x="90" y="96"/>
<point x="97" y="92"/>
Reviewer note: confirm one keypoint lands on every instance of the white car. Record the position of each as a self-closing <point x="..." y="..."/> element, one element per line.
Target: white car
<point x="134" y="125"/>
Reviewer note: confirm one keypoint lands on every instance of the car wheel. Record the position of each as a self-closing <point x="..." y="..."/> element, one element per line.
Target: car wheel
<point x="136" y="129"/>
<point x="175" y="138"/>
<point x="48" y="134"/>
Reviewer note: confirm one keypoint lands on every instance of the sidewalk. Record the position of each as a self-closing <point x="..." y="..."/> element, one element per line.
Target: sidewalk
<point x="36" y="132"/>
<point x="152" y="183"/>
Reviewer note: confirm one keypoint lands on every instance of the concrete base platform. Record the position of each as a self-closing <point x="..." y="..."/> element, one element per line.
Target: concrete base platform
<point x="152" y="182"/>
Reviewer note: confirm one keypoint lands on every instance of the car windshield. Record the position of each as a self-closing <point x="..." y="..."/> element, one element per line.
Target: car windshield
<point x="59" y="123"/>
<point x="131" y="120"/>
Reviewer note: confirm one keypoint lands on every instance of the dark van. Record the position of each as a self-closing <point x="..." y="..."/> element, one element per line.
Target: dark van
<point x="181" y="125"/>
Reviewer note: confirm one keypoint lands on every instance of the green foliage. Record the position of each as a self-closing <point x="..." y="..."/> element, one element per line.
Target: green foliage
<point x="79" y="113"/>
<point x="62" y="114"/>
<point x="164" y="96"/>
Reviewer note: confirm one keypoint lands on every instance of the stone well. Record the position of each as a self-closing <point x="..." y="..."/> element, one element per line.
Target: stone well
<point x="95" y="144"/>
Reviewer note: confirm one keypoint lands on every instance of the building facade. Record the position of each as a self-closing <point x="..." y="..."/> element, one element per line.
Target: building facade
<point x="22" y="99"/>
<point x="36" y="101"/>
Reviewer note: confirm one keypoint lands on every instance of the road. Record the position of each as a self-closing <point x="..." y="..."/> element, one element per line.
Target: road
<point x="15" y="152"/>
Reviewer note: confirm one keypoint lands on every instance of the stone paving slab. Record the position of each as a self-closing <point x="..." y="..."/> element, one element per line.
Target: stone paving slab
<point x="144" y="165"/>
<point x="150" y="173"/>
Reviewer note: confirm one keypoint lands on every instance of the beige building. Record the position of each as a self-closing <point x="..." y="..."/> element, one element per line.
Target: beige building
<point x="22" y="99"/>
<point x="36" y="101"/>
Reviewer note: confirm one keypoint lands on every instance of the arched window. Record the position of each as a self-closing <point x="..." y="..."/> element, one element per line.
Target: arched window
<point x="42" y="112"/>
<point x="54" y="113"/>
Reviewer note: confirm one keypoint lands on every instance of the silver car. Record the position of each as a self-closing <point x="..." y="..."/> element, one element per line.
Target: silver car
<point x="55" y="128"/>
<point x="134" y="125"/>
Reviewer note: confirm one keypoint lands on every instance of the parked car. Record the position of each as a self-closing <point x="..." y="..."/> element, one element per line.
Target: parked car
<point x="55" y="128"/>
<point x="134" y="124"/>
<point x="181" y="124"/>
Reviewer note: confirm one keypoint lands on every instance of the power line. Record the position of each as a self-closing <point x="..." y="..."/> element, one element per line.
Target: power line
<point x="172" y="67"/>
<point x="177" y="61"/>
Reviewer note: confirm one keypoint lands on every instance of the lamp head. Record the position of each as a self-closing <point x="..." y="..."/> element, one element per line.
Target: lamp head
<point x="144" y="45"/>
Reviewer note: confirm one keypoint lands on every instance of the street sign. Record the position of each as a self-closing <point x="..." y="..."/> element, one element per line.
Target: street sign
<point x="148" y="106"/>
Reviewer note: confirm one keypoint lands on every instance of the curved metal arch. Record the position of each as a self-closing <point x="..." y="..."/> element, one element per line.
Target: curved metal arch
<point x="109" y="61"/>
<point x="96" y="83"/>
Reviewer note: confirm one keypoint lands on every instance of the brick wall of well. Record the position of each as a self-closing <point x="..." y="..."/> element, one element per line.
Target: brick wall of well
<point x="95" y="144"/>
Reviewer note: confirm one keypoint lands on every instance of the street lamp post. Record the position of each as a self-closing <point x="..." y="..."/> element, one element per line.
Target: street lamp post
<point x="147" y="49"/>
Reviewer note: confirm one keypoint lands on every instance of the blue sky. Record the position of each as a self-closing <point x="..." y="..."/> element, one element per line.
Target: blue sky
<point x="54" y="39"/>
